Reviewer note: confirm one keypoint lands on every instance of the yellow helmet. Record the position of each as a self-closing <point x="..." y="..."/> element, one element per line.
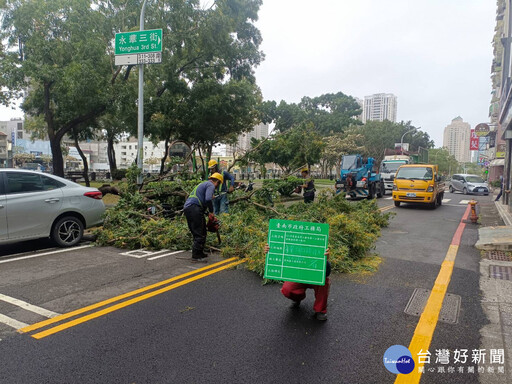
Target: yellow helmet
<point x="217" y="176"/>
<point x="212" y="163"/>
<point x="304" y="170"/>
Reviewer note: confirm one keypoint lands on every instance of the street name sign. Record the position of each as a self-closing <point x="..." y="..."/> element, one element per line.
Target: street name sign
<point x="297" y="251"/>
<point x="138" y="47"/>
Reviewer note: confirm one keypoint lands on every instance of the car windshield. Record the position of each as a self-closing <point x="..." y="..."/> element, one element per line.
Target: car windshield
<point x="415" y="173"/>
<point x="386" y="167"/>
<point x="474" y="179"/>
<point x="349" y="162"/>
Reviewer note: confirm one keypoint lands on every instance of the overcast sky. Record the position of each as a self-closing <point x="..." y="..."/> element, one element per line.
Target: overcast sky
<point x="434" y="55"/>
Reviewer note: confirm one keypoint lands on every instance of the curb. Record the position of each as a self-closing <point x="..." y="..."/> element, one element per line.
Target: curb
<point x="505" y="215"/>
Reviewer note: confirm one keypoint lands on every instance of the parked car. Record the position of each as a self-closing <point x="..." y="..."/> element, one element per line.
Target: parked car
<point x="472" y="184"/>
<point x="36" y="205"/>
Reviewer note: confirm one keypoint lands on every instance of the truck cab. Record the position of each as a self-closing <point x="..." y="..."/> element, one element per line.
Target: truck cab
<point x="418" y="183"/>
<point x="389" y="166"/>
<point x="357" y="178"/>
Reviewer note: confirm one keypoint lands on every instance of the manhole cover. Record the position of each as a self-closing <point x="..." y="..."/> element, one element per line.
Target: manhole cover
<point x="499" y="272"/>
<point x="498" y="255"/>
<point x="449" y="311"/>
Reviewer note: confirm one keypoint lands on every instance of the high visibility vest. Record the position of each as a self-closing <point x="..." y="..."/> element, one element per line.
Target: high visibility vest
<point x="227" y="182"/>
<point x="306" y="182"/>
<point x="193" y="195"/>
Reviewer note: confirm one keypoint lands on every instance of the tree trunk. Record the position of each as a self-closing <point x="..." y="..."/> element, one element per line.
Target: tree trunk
<point x="84" y="160"/>
<point x="58" y="162"/>
<point x="166" y="153"/>
<point x="111" y="155"/>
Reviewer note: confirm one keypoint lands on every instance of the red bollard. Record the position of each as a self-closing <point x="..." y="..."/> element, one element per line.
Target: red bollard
<point x="474" y="216"/>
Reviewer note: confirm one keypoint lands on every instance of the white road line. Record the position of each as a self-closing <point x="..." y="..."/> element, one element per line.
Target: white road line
<point x="140" y="253"/>
<point x="28" y="306"/>
<point x="45" y="254"/>
<point x="464" y="202"/>
<point x="11" y="322"/>
<point x="164" y="255"/>
<point x="446" y="200"/>
<point x="389" y="198"/>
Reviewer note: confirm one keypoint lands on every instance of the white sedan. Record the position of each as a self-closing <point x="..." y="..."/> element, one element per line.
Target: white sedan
<point x="35" y="205"/>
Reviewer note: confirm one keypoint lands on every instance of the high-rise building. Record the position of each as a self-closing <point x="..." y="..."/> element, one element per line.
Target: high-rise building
<point x="380" y="107"/>
<point x="244" y="140"/>
<point x="361" y="105"/>
<point x="456" y="139"/>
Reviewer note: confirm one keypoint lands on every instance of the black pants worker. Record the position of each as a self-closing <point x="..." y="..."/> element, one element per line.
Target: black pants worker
<point x="197" y="226"/>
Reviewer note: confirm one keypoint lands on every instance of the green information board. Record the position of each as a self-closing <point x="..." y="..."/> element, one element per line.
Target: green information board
<point x="297" y="251"/>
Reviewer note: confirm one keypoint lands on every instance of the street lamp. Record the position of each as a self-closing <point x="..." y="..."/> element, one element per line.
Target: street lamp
<point x="402" y="140"/>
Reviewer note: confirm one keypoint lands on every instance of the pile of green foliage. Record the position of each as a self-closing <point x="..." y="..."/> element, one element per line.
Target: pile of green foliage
<point x="354" y="226"/>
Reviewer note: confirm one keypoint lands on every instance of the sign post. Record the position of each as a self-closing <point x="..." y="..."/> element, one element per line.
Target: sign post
<point x="297" y="251"/>
<point x="139" y="48"/>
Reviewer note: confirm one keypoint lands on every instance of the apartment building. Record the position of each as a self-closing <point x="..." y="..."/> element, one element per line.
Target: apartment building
<point x="380" y="107"/>
<point x="456" y="139"/>
<point x="244" y="140"/>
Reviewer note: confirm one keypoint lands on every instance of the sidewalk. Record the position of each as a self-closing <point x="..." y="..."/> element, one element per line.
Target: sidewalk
<point x="495" y="243"/>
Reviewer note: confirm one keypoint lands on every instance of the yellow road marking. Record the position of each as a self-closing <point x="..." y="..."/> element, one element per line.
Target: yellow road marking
<point x="386" y="208"/>
<point x="426" y="326"/>
<point x="127" y="303"/>
<point x="117" y="298"/>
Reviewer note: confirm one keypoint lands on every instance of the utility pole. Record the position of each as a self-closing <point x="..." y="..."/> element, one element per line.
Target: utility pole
<point x="140" y="117"/>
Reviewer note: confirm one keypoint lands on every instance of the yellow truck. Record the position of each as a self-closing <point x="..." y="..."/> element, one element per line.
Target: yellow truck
<point x="418" y="183"/>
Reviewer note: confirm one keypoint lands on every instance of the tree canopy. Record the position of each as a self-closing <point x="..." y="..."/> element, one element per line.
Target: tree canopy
<point x="64" y="60"/>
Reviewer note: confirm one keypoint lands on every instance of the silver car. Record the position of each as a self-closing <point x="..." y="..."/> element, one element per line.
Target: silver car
<point x="36" y="205"/>
<point x="472" y="184"/>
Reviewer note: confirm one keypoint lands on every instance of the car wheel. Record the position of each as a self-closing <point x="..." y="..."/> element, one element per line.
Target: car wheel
<point x="67" y="231"/>
<point x="465" y="191"/>
<point x="451" y="189"/>
<point x="397" y="203"/>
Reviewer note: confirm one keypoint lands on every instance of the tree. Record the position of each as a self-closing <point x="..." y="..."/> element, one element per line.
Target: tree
<point x="447" y="163"/>
<point x="338" y="145"/>
<point x="62" y="58"/>
<point x="297" y="147"/>
<point x="332" y="112"/>
<point x="63" y="61"/>
<point x="381" y="135"/>
<point x="329" y="113"/>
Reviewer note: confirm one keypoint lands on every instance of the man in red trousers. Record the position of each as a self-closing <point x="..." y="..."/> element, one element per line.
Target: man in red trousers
<point x="297" y="291"/>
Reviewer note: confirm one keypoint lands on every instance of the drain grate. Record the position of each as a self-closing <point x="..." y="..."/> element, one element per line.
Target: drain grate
<point x="499" y="272"/>
<point x="449" y="311"/>
<point x="498" y="255"/>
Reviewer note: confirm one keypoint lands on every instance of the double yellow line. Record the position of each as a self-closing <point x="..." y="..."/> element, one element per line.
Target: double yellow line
<point x="386" y="208"/>
<point x="88" y="311"/>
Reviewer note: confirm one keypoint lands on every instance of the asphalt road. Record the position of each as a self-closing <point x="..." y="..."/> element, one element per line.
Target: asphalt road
<point x="227" y="327"/>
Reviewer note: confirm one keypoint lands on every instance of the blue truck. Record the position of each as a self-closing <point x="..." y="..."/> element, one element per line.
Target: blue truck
<point x="357" y="178"/>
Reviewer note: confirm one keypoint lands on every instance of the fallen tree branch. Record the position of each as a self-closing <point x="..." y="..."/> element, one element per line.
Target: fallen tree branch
<point x="266" y="207"/>
<point x="242" y="198"/>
